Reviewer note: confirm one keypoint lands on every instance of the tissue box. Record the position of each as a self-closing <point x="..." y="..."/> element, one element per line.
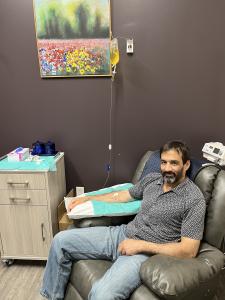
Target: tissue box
<point x="18" y="154"/>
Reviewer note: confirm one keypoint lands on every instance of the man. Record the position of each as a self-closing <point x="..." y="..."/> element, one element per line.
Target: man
<point x="170" y="222"/>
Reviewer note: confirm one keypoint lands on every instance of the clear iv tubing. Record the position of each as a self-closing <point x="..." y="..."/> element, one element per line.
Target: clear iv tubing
<point x="110" y="134"/>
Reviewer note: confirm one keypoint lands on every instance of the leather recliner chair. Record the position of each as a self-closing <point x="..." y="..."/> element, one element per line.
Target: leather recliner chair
<point x="166" y="277"/>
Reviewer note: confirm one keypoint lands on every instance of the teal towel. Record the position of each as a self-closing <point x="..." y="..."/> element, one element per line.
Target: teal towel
<point x="116" y="209"/>
<point x="47" y="163"/>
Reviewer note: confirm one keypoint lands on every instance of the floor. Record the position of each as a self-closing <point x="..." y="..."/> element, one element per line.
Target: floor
<point x="21" y="280"/>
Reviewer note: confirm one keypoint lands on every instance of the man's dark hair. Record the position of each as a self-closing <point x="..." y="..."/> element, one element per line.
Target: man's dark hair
<point x="180" y="147"/>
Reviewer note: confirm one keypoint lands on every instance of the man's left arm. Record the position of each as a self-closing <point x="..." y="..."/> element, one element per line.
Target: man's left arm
<point x="186" y="248"/>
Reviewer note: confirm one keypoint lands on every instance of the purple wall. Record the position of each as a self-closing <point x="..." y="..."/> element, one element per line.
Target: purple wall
<point x="172" y="87"/>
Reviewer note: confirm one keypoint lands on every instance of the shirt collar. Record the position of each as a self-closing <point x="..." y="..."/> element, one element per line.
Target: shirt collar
<point x="179" y="189"/>
<point x="160" y="180"/>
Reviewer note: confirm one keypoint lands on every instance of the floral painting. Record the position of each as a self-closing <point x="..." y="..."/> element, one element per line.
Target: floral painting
<point x="73" y="37"/>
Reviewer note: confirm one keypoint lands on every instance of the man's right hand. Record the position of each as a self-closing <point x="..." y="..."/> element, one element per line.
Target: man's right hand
<point x="77" y="201"/>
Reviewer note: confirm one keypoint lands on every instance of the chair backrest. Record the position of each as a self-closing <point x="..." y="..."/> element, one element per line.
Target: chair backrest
<point x="140" y="166"/>
<point x="211" y="181"/>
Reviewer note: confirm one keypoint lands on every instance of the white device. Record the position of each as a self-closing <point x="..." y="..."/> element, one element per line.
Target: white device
<point x="214" y="152"/>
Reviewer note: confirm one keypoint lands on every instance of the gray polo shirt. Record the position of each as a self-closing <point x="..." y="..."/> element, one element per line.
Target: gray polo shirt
<point x="166" y="217"/>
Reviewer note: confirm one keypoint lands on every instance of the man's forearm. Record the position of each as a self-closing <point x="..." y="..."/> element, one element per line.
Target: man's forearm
<point x="186" y="248"/>
<point x="171" y="249"/>
<point x="120" y="196"/>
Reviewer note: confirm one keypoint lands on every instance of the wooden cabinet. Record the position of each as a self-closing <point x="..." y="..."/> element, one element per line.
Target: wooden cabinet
<point x="28" y="211"/>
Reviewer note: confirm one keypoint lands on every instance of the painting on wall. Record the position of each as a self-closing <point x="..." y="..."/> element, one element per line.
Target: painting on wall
<point x="73" y="37"/>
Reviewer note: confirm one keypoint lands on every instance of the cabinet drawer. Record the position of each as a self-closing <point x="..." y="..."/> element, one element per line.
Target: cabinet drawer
<point x="22" y="181"/>
<point x="23" y="197"/>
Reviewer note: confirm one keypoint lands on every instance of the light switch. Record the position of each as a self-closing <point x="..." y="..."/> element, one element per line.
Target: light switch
<point x="130" y="46"/>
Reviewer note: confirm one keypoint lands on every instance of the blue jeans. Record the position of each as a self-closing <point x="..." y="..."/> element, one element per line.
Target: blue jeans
<point x="92" y="243"/>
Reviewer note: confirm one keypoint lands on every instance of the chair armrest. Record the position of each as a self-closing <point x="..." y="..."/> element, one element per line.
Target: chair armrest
<point x="170" y="276"/>
<point x="102" y="221"/>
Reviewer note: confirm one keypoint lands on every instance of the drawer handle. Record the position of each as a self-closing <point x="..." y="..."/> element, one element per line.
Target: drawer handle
<point x="10" y="182"/>
<point x="42" y="231"/>
<point x="19" y="199"/>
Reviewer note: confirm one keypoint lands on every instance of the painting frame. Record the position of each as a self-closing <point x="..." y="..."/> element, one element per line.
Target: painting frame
<point x="73" y="37"/>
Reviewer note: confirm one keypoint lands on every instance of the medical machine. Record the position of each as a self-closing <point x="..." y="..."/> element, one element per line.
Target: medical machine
<point x="214" y="152"/>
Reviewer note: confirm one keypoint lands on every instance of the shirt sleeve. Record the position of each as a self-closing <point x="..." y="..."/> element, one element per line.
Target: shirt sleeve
<point x="137" y="190"/>
<point x="193" y="221"/>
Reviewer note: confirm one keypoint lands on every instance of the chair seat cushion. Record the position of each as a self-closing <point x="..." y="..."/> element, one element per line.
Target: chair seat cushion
<point x="86" y="272"/>
<point x="143" y="293"/>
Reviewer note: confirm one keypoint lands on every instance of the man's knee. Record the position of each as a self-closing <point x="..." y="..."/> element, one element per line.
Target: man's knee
<point x="59" y="241"/>
<point x="58" y="238"/>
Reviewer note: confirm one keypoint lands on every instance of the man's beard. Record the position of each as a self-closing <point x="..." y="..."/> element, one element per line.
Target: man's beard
<point x="171" y="177"/>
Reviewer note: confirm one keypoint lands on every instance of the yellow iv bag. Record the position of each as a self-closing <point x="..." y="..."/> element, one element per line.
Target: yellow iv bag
<point x="114" y="52"/>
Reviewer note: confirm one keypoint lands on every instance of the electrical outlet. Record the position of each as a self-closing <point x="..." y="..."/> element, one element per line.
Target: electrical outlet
<point x="79" y="190"/>
<point x="130" y="46"/>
